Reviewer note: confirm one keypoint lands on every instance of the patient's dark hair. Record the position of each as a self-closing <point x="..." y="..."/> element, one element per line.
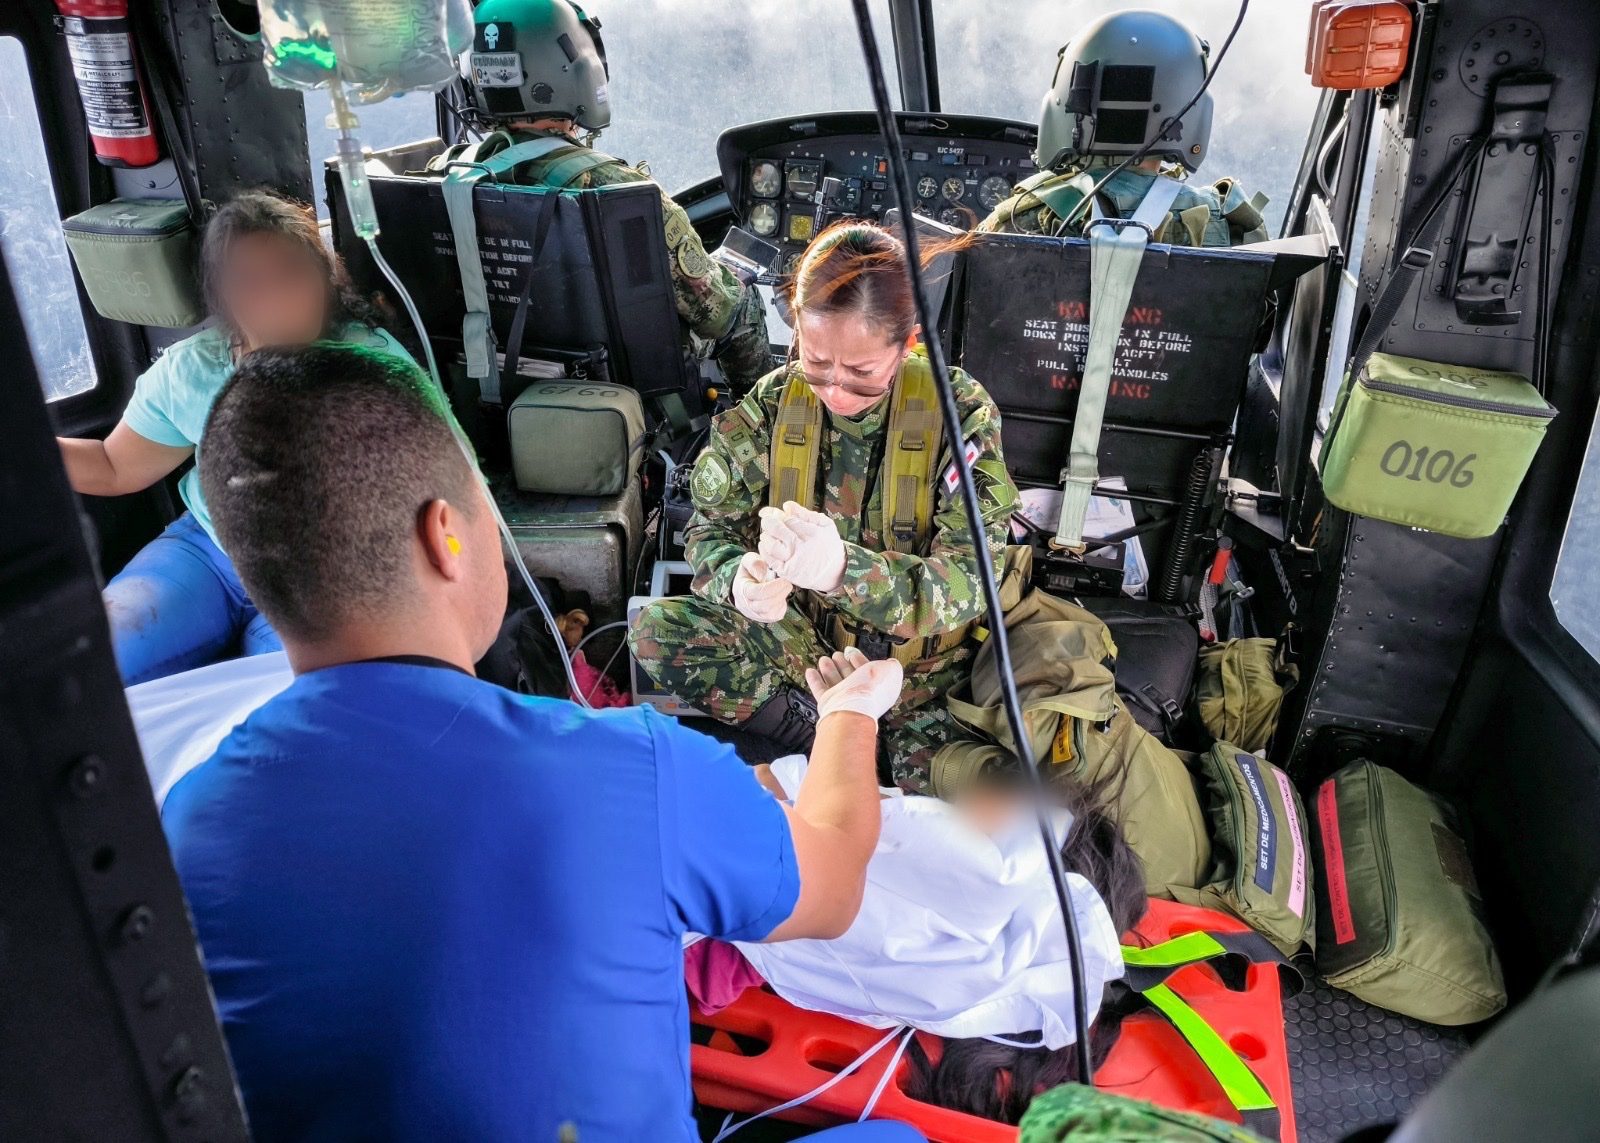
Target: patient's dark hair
<point x="315" y="463"/>
<point x="998" y="1081"/>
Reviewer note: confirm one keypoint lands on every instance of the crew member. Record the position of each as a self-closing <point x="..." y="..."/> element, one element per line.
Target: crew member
<point x="269" y="280"/>
<point x="431" y="908"/>
<point x="1118" y="83"/>
<point x="827" y="515"/>
<point x="560" y="86"/>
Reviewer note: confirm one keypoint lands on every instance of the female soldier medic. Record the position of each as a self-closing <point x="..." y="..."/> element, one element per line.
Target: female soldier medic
<point x="827" y="516"/>
<point x="269" y="280"/>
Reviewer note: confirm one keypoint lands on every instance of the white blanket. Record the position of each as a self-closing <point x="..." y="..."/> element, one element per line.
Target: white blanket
<point x="959" y="933"/>
<point x="182" y="719"/>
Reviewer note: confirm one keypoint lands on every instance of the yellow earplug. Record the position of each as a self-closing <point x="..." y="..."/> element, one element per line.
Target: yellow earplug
<point x="453" y="544"/>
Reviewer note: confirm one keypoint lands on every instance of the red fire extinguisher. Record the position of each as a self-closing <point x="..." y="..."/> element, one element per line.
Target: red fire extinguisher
<point x="100" y="42"/>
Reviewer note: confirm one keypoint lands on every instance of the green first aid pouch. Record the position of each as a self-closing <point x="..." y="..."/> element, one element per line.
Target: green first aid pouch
<point x="1239" y="690"/>
<point x="1440" y="447"/>
<point x="1398" y="911"/>
<point x="1260" y="864"/>
<point x="137" y="261"/>
<point x="581" y="438"/>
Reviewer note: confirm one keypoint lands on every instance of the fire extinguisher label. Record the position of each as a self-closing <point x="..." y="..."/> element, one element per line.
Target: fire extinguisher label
<point x="102" y="61"/>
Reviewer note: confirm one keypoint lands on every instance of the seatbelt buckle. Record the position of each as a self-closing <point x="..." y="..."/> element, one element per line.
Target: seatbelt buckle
<point x="1121" y="224"/>
<point x="1416" y="258"/>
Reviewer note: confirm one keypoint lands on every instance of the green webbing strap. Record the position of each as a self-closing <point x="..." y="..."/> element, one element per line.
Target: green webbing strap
<point x="1116" y="250"/>
<point x="1230" y="954"/>
<point x="477" y="336"/>
<point x="569" y="168"/>
<point x="1248" y="1094"/>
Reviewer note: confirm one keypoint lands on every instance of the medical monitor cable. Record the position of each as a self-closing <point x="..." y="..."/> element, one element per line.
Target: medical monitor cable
<point x="1137" y="156"/>
<point x="364" y="216"/>
<point x="969" y="495"/>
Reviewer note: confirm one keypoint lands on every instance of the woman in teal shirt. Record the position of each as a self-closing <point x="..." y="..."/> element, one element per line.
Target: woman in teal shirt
<point x="269" y="280"/>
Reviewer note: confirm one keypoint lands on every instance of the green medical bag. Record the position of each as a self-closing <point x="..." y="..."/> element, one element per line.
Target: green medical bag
<point x="581" y="438"/>
<point x="1260" y="864"/>
<point x="137" y="261"/>
<point x="1239" y="690"/>
<point x="1398" y="911"/>
<point x="1440" y="447"/>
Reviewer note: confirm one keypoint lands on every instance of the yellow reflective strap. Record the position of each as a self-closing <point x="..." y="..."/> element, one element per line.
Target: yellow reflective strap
<point x="796" y="441"/>
<point x="1190" y="948"/>
<point x="1244" y="1090"/>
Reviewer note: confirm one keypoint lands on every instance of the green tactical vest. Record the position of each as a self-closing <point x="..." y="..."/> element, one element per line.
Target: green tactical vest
<point x="1218" y="215"/>
<point x="559" y="169"/>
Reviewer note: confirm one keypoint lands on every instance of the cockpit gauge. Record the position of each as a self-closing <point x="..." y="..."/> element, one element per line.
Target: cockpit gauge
<point x="993" y="190"/>
<point x="953" y="188"/>
<point x="959" y="217"/>
<point x="927" y="186"/>
<point x="766" y="180"/>
<point x="764" y="219"/>
<point x="803" y="178"/>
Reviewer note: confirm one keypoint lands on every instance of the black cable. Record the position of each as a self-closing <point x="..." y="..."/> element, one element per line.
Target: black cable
<point x="969" y="496"/>
<point x="1211" y="72"/>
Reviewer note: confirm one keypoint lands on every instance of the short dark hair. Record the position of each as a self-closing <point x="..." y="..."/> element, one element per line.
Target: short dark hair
<point x="263" y="212"/>
<point x="315" y="463"/>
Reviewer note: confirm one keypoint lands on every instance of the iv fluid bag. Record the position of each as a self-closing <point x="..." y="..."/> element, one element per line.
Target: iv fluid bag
<point x="375" y="48"/>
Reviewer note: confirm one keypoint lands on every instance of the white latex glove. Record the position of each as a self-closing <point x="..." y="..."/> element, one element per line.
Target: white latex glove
<point x="759" y="595"/>
<point x="802" y="546"/>
<point x="848" y="680"/>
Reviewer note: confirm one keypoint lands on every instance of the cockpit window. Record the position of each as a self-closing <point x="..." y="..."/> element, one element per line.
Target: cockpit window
<point x="30" y="234"/>
<point x="1577" y="579"/>
<point x="999" y="60"/>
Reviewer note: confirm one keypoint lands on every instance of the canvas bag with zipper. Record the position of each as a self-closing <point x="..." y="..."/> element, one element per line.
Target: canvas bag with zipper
<point x="1399" y="916"/>
<point x="580" y="438"/>
<point x="1443" y="447"/>
<point x="137" y="261"/>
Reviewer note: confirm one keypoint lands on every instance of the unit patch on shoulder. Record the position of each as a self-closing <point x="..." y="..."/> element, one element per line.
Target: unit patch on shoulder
<point x="712" y="480"/>
<point x="693" y="260"/>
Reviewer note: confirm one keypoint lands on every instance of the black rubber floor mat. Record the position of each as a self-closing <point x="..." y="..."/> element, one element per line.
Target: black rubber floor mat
<point x="1355" y="1066"/>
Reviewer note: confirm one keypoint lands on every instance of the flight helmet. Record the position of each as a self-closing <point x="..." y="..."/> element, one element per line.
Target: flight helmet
<point x="1118" y="83"/>
<point x="532" y="59"/>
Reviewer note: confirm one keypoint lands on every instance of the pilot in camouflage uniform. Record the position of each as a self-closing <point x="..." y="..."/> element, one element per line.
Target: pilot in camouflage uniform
<point x="929" y="599"/>
<point x="1103" y="107"/>
<point x="728" y="319"/>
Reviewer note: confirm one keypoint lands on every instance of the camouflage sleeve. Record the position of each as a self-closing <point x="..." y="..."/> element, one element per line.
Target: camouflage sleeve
<point x="914" y="597"/>
<point x="729" y="487"/>
<point x="714" y="303"/>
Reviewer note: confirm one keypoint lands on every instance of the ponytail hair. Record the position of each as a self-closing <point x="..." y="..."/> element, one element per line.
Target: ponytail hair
<point x="858" y="268"/>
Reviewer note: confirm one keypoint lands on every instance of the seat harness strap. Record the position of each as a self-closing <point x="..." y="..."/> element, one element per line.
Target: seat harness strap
<point x="1116" y="250"/>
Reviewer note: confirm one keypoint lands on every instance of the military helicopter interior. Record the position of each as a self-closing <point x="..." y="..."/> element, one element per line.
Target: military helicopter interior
<point x="1449" y="660"/>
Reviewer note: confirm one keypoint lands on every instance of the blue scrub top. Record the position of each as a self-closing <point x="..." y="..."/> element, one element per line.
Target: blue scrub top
<point x="432" y="909"/>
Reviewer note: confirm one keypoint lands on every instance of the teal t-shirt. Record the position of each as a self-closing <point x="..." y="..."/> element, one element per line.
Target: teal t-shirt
<point x="172" y="399"/>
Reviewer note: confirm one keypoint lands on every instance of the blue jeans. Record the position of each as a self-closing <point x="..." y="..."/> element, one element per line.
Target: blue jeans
<point x="179" y="604"/>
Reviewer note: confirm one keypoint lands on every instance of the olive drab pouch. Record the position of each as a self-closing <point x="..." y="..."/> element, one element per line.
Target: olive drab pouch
<point x="137" y="259"/>
<point x="1260" y="862"/>
<point x="581" y="438"/>
<point x="1439" y="447"/>
<point x="1239" y="690"/>
<point x="1399" y="916"/>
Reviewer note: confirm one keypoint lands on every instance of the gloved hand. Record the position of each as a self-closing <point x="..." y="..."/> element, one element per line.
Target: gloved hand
<point x="757" y="594"/>
<point x="848" y="680"/>
<point x="802" y="546"/>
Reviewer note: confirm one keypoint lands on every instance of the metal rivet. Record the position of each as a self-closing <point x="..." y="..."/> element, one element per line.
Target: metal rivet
<point x="136" y="923"/>
<point x="88" y="776"/>
<point x="156" y="990"/>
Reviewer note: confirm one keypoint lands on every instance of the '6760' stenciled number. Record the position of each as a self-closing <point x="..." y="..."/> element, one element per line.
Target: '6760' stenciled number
<point x="1402" y="460"/>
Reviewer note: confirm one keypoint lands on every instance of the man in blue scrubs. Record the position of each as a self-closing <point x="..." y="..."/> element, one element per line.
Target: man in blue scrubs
<point x="432" y="909"/>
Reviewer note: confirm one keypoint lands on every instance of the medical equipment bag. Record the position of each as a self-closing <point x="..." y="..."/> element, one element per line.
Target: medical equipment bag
<point x="1398" y="909"/>
<point x="1434" y="446"/>
<point x="581" y="438"/>
<point x="1260" y="868"/>
<point x="1239" y="690"/>
<point x="137" y="261"/>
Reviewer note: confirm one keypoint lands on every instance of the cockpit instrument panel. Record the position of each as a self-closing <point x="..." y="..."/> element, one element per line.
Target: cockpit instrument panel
<point x="787" y="178"/>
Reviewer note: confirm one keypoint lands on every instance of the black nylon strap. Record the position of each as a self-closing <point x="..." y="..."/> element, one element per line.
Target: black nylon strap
<point x="162" y="97"/>
<point x="1243" y="950"/>
<point x="519" y="321"/>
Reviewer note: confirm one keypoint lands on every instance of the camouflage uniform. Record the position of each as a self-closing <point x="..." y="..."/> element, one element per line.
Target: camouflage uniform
<point x="1216" y="215"/>
<point x="704" y="650"/>
<point x="1072" y="1113"/>
<point x="726" y="317"/>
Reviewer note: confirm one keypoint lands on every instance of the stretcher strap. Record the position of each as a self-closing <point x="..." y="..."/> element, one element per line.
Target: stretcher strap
<point x="1248" y="1094"/>
<point x="1229" y="954"/>
<point x="1116" y="250"/>
<point x="477" y="336"/>
<point x="729" y="1127"/>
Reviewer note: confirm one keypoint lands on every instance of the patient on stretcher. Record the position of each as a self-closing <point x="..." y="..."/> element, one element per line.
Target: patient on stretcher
<point x="959" y="935"/>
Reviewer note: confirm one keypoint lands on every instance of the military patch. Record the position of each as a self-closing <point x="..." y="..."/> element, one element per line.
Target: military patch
<point x="952" y="478"/>
<point x="676" y="223"/>
<point x="712" y="481"/>
<point x="693" y="260"/>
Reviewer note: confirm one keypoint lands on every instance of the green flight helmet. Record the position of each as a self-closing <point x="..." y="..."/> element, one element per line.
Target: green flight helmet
<point x="1118" y="83"/>
<point x="534" y="59"/>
